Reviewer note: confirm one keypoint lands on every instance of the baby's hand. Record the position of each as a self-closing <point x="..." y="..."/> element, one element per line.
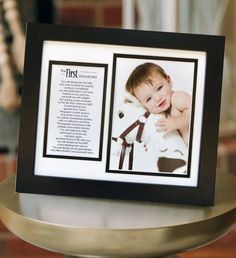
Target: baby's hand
<point x="166" y="125"/>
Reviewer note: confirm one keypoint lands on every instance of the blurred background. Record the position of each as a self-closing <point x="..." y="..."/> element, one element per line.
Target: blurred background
<point x="214" y="17"/>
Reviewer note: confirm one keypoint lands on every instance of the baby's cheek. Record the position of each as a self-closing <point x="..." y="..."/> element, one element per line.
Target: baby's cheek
<point x="149" y="109"/>
<point x="152" y="110"/>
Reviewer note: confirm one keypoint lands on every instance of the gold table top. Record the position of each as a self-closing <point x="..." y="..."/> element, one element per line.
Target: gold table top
<point x="97" y="227"/>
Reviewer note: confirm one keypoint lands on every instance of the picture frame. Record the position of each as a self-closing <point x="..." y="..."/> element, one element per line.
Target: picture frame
<point x="75" y="135"/>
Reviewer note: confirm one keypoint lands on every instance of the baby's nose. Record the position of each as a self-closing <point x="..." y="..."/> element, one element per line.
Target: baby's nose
<point x="157" y="97"/>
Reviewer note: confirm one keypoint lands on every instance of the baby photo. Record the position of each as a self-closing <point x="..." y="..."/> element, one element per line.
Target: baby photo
<point x="152" y="115"/>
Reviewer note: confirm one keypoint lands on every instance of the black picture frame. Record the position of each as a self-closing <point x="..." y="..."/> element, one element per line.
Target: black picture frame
<point x="73" y="77"/>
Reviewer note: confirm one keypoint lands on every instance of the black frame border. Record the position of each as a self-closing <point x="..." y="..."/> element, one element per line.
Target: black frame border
<point x="27" y="182"/>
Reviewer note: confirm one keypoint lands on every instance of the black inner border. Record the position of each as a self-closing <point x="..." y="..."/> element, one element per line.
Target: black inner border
<point x="128" y="56"/>
<point x="80" y="64"/>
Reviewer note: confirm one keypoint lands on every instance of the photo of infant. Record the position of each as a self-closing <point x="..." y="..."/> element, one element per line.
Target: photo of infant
<point x="152" y="116"/>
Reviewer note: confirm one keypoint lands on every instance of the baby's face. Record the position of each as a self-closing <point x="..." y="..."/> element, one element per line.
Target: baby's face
<point x="155" y="96"/>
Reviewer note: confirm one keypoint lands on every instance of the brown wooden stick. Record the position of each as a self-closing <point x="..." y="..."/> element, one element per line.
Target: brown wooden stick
<point x="12" y="16"/>
<point x="9" y="97"/>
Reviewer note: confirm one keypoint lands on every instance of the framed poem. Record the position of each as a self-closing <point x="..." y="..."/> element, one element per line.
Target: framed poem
<point x="100" y="112"/>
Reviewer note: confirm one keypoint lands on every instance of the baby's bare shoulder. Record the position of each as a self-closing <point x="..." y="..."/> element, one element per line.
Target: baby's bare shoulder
<point x="180" y="93"/>
<point x="181" y="99"/>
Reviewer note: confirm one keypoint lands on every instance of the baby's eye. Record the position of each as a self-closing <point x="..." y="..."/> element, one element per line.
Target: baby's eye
<point x="148" y="99"/>
<point x="159" y="87"/>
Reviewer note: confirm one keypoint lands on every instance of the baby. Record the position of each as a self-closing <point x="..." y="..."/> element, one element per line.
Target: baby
<point x="153" y="88"/>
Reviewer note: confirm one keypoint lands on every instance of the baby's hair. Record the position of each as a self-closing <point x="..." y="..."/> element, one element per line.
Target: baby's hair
<point x="141" y="74"/>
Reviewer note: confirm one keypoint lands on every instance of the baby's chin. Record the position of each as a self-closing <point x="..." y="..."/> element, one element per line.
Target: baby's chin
<point x="155" y="112"/>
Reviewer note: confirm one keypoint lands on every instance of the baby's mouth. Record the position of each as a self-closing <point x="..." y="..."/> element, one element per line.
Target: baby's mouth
<point x="162" y="103"/>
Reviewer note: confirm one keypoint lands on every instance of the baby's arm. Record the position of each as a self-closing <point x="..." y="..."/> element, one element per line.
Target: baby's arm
<point x="179" y="115"/>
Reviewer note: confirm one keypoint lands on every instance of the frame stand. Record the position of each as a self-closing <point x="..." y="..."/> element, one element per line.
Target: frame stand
<point x="105" y="228"/>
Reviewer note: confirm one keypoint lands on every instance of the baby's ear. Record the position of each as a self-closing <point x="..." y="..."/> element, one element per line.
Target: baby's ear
<point x="169" y="79"/>
<point x="129" y="98"/>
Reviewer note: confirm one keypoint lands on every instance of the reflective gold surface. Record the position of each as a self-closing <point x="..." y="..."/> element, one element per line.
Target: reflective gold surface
<point x="96" y="227"/>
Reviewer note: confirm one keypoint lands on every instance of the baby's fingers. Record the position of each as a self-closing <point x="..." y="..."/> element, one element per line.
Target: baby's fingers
<point x="161" y="129"/>
<point x="160" y="122"/>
